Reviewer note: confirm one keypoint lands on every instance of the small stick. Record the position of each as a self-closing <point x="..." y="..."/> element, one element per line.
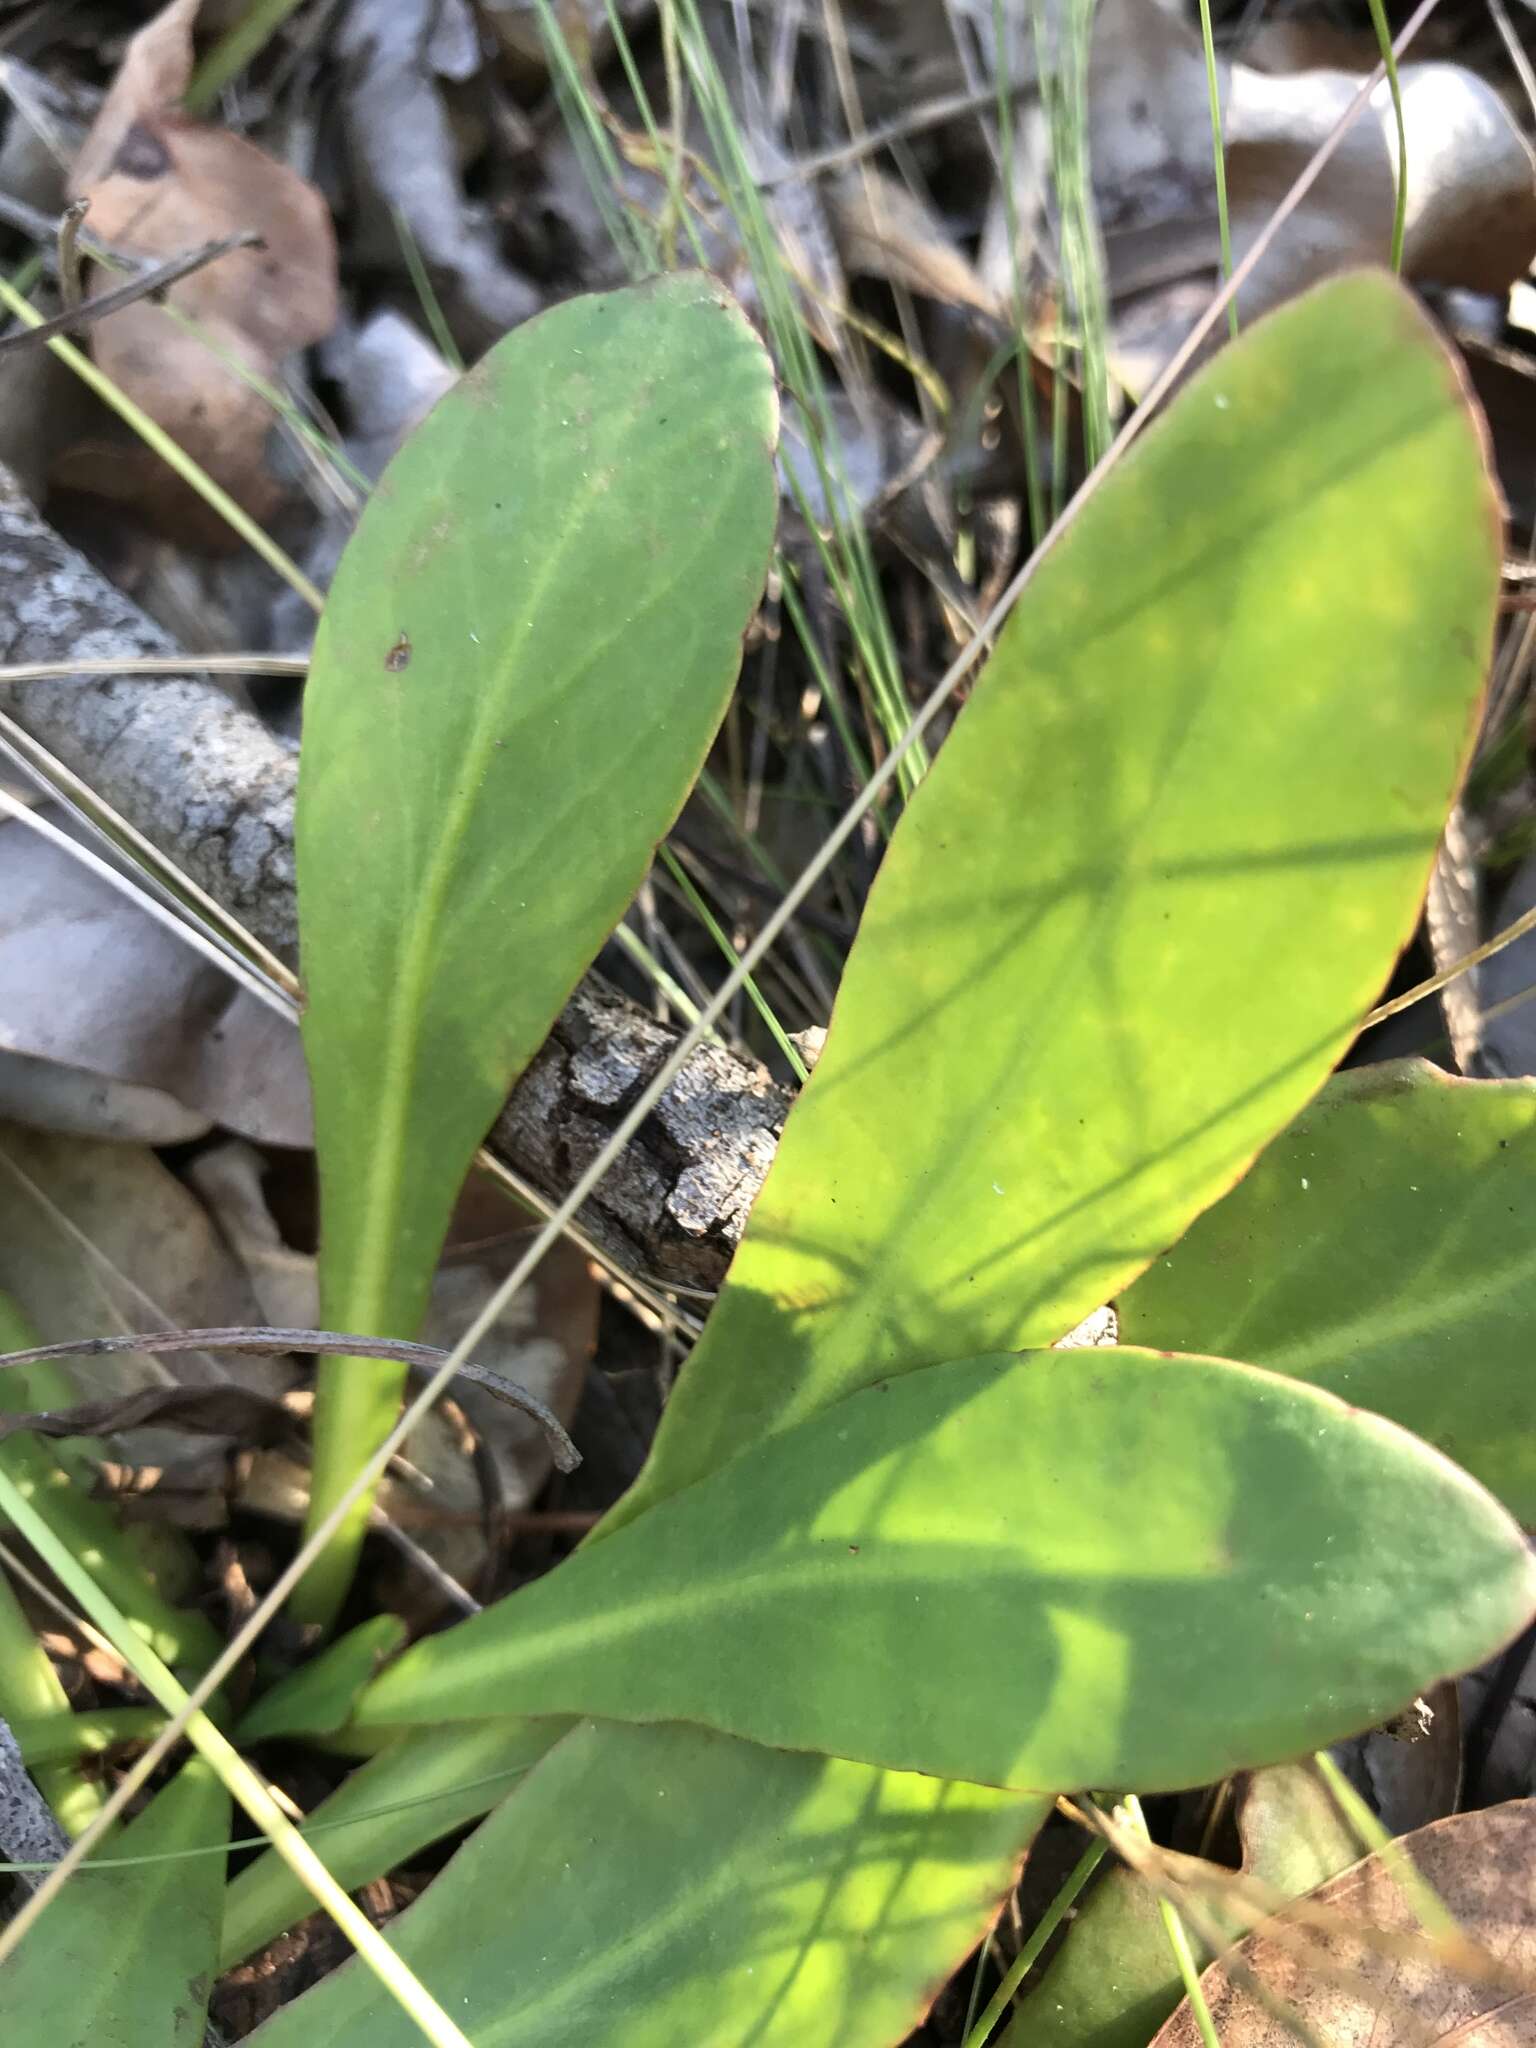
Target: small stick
<point x="70" y="290"/>
<point x="45" y="230"/>
<point x="144" y="287"/>
<point x="272" y="1343"/>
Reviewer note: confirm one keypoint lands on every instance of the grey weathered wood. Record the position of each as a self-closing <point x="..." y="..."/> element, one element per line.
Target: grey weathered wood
<point x="28" y="1831"/>
<point x="206" y="781"/>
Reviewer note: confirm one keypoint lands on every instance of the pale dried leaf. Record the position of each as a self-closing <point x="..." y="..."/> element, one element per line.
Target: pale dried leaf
<point x="159" y="185"/>
<point x="282" y="1280"/>
<point x="883" y="229"/>
<point x="1509" y="1035"/>
<point x="405" y="160"/>
<point x="1471" y="188"/>
<point x="98" y="1238"/>
<point x="1480" y="1865"/>
<point x="154" y="73"/>
<point x="1471" y="217"/>
<point x="393" y="377"/>
<point x="111" y="1027"/>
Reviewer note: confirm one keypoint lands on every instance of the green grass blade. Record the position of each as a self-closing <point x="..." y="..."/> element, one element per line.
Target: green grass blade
<point x="1394" y="87"/>
<point x="33" y="1699"/>
<point x="245" y="38"/>
<point x="1219" y="153"/>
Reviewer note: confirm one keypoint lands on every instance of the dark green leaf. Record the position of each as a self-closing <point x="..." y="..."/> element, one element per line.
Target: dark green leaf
<point x="318" y="1697"/>
<point x="1070" y="1568"/>
<point x="428" y="1782"/>
<point x="1381" y="1248"/>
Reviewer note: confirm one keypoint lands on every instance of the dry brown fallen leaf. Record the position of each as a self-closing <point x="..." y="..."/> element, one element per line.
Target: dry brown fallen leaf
<point x="246" y="1418"/>
<point x="160" y="184"/>
<point x="884" y="229"/>
<point x="1483" y="1866"/>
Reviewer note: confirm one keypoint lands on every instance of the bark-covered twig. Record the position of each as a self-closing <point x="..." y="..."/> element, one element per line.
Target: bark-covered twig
<point x="203" y="779"/>
<point x="28" y="1831"/>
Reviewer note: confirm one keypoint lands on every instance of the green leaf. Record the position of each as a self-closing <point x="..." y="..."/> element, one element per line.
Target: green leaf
<point x="89" y="1528"/>
<point x="1159" y="870"/>
<point x="810" y="1925"/>
<point x="1113" y="1980"/>
<point x="69" y="1737"/>
<point x="126" y="1956"/>
<point x="427" y="1783"/>
<point x="1071" y="1568"/>
<point x="1007" y="1004"/>
<point x="1381" y="1248"/>
<point x="318" y="1697"/>
<point x="33" y="1702"/>
<point x="527" y="649"/>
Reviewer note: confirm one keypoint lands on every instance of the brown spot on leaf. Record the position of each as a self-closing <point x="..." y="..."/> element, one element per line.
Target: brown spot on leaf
<point x="399" y="656"/>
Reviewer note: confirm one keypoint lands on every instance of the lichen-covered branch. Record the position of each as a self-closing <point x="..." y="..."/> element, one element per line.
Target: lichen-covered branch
<point x="674" y="1205"/>
<point x="28" y="1831"/>
<point x="203" y="779"/>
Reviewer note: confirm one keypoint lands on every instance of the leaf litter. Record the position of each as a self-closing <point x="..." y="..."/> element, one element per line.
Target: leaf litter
<point x="157" y="184"/>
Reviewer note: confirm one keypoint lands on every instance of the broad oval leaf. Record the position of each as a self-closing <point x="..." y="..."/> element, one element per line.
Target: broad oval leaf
<point x="127" y="1956"/>
<point x="528" y="647"/>
<point x="1158" y="871"/>
<point x="1071" y="1568"/>
<point x="726" y="1894"/>
<point x="1380" y="1248"/>
<point x="1362" y="464"/>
